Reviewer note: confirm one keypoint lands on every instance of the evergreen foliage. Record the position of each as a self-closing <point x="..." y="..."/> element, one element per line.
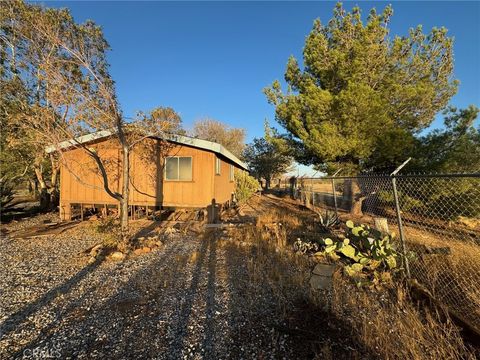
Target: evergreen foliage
<point x="362" y="96"/>
<point x="265" y="160"/>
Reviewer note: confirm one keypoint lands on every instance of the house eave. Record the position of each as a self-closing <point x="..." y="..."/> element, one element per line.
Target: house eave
<point x="178" y="139"/>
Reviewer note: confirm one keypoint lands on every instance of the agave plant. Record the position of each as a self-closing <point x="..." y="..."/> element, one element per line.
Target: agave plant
<point x="328" y="220"/>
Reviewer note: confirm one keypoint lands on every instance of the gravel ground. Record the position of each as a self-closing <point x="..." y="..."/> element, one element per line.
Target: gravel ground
<point x="191" y="298"/>
<point x="28" y="222"/>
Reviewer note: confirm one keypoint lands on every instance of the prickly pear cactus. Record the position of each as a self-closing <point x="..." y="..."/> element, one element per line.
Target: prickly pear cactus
<point x="365" y="250"/>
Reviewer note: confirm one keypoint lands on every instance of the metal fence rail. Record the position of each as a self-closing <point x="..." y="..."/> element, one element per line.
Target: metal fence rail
<point x="436" y="219"/>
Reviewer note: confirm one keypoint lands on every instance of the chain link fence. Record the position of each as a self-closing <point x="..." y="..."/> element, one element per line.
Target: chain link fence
<point x="436" y="219"/>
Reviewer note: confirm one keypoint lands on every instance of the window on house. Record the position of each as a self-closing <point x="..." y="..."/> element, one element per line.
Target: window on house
<point x="232" y="173"/>
<point x="178" y="168"/>
<point x="217" y="166"/>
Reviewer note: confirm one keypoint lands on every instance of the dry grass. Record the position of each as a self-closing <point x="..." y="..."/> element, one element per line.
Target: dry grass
<point x="452" y="278"/>
<point x="387" y="324"/>
<point x="391" y="325"/>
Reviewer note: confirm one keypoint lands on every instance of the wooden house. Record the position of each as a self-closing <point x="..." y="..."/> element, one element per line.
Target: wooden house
<point x="173" y="172"/>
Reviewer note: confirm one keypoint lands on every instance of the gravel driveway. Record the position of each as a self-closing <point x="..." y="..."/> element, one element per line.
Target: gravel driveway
<point x="188" y="299"/>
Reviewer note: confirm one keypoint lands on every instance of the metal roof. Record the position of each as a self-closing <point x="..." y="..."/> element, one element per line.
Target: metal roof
<point x="178" y="139"/>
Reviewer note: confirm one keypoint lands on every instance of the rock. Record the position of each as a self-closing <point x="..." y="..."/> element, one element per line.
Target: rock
<point x="170" y="230"/>
<point x="158" y="243"/>
<point x="138" y="251"/>
<point x="117" y="256"/>
<point x="324" y="269"/>
<point x="321" y="278"/>
<point x="96" y="250"/>
<point x="318" y="282"/>
<point x="381" y="224"/>
<point x="146" y="249"/>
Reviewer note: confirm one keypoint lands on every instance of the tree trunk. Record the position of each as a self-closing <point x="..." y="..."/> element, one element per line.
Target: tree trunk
<point x="55" y="170"/>
<point x="44" y="200"/>
<point x="54" y="193"/>
<point x="54" y="197"/>
<point x="44" y="195"/>
<point x="357" y="199"/>
<point x="267" y="183"/>
<point x="125" y="192"/>
<point x="33" y="187"/>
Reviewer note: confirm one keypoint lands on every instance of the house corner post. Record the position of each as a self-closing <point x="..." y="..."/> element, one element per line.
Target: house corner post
<point x="65" y="211"/>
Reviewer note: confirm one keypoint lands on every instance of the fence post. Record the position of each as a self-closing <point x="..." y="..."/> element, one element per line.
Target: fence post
<point x="335" y="192"/>
<point x="313" y="194"/>
<point x="399" y="217"/>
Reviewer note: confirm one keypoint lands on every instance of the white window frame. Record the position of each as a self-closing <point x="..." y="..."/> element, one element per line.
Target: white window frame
<point x="232" y="173"/>
<point x="178" y="168"/>
<point x="218" y="166"/>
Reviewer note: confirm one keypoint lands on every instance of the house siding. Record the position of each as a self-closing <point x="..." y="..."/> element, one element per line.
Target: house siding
<point x="81" y="183"/>
<point x="223" y="186"/>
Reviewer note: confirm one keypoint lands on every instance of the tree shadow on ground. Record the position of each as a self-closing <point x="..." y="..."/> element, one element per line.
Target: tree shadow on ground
<point x="147" y="316"/>
<point x="20" y="316"/>
<point x="205" y="265"/>
<point x="167" y="308"/>
<point x="81" y="321"/>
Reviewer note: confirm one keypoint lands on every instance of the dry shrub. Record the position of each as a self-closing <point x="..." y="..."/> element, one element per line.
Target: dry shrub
<point x="285" y="275"/>
<point x="281" y="224"/>
<point x="283" y="271"/>
<point x="451" y="283"/>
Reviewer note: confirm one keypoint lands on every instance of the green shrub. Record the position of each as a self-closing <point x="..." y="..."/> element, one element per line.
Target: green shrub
<point x="445" y="199"/>
<point x="407" y="202"/>
<point x="327" y="221"/>
<point x="107" y="224"/>
<point x="245" y="186"/>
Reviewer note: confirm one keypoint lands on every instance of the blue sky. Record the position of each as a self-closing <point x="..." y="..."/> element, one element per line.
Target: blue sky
<point x="214" y="58"/>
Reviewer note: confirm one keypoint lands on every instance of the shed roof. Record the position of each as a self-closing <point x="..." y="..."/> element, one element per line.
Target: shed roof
<point x="177" y="139"/>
